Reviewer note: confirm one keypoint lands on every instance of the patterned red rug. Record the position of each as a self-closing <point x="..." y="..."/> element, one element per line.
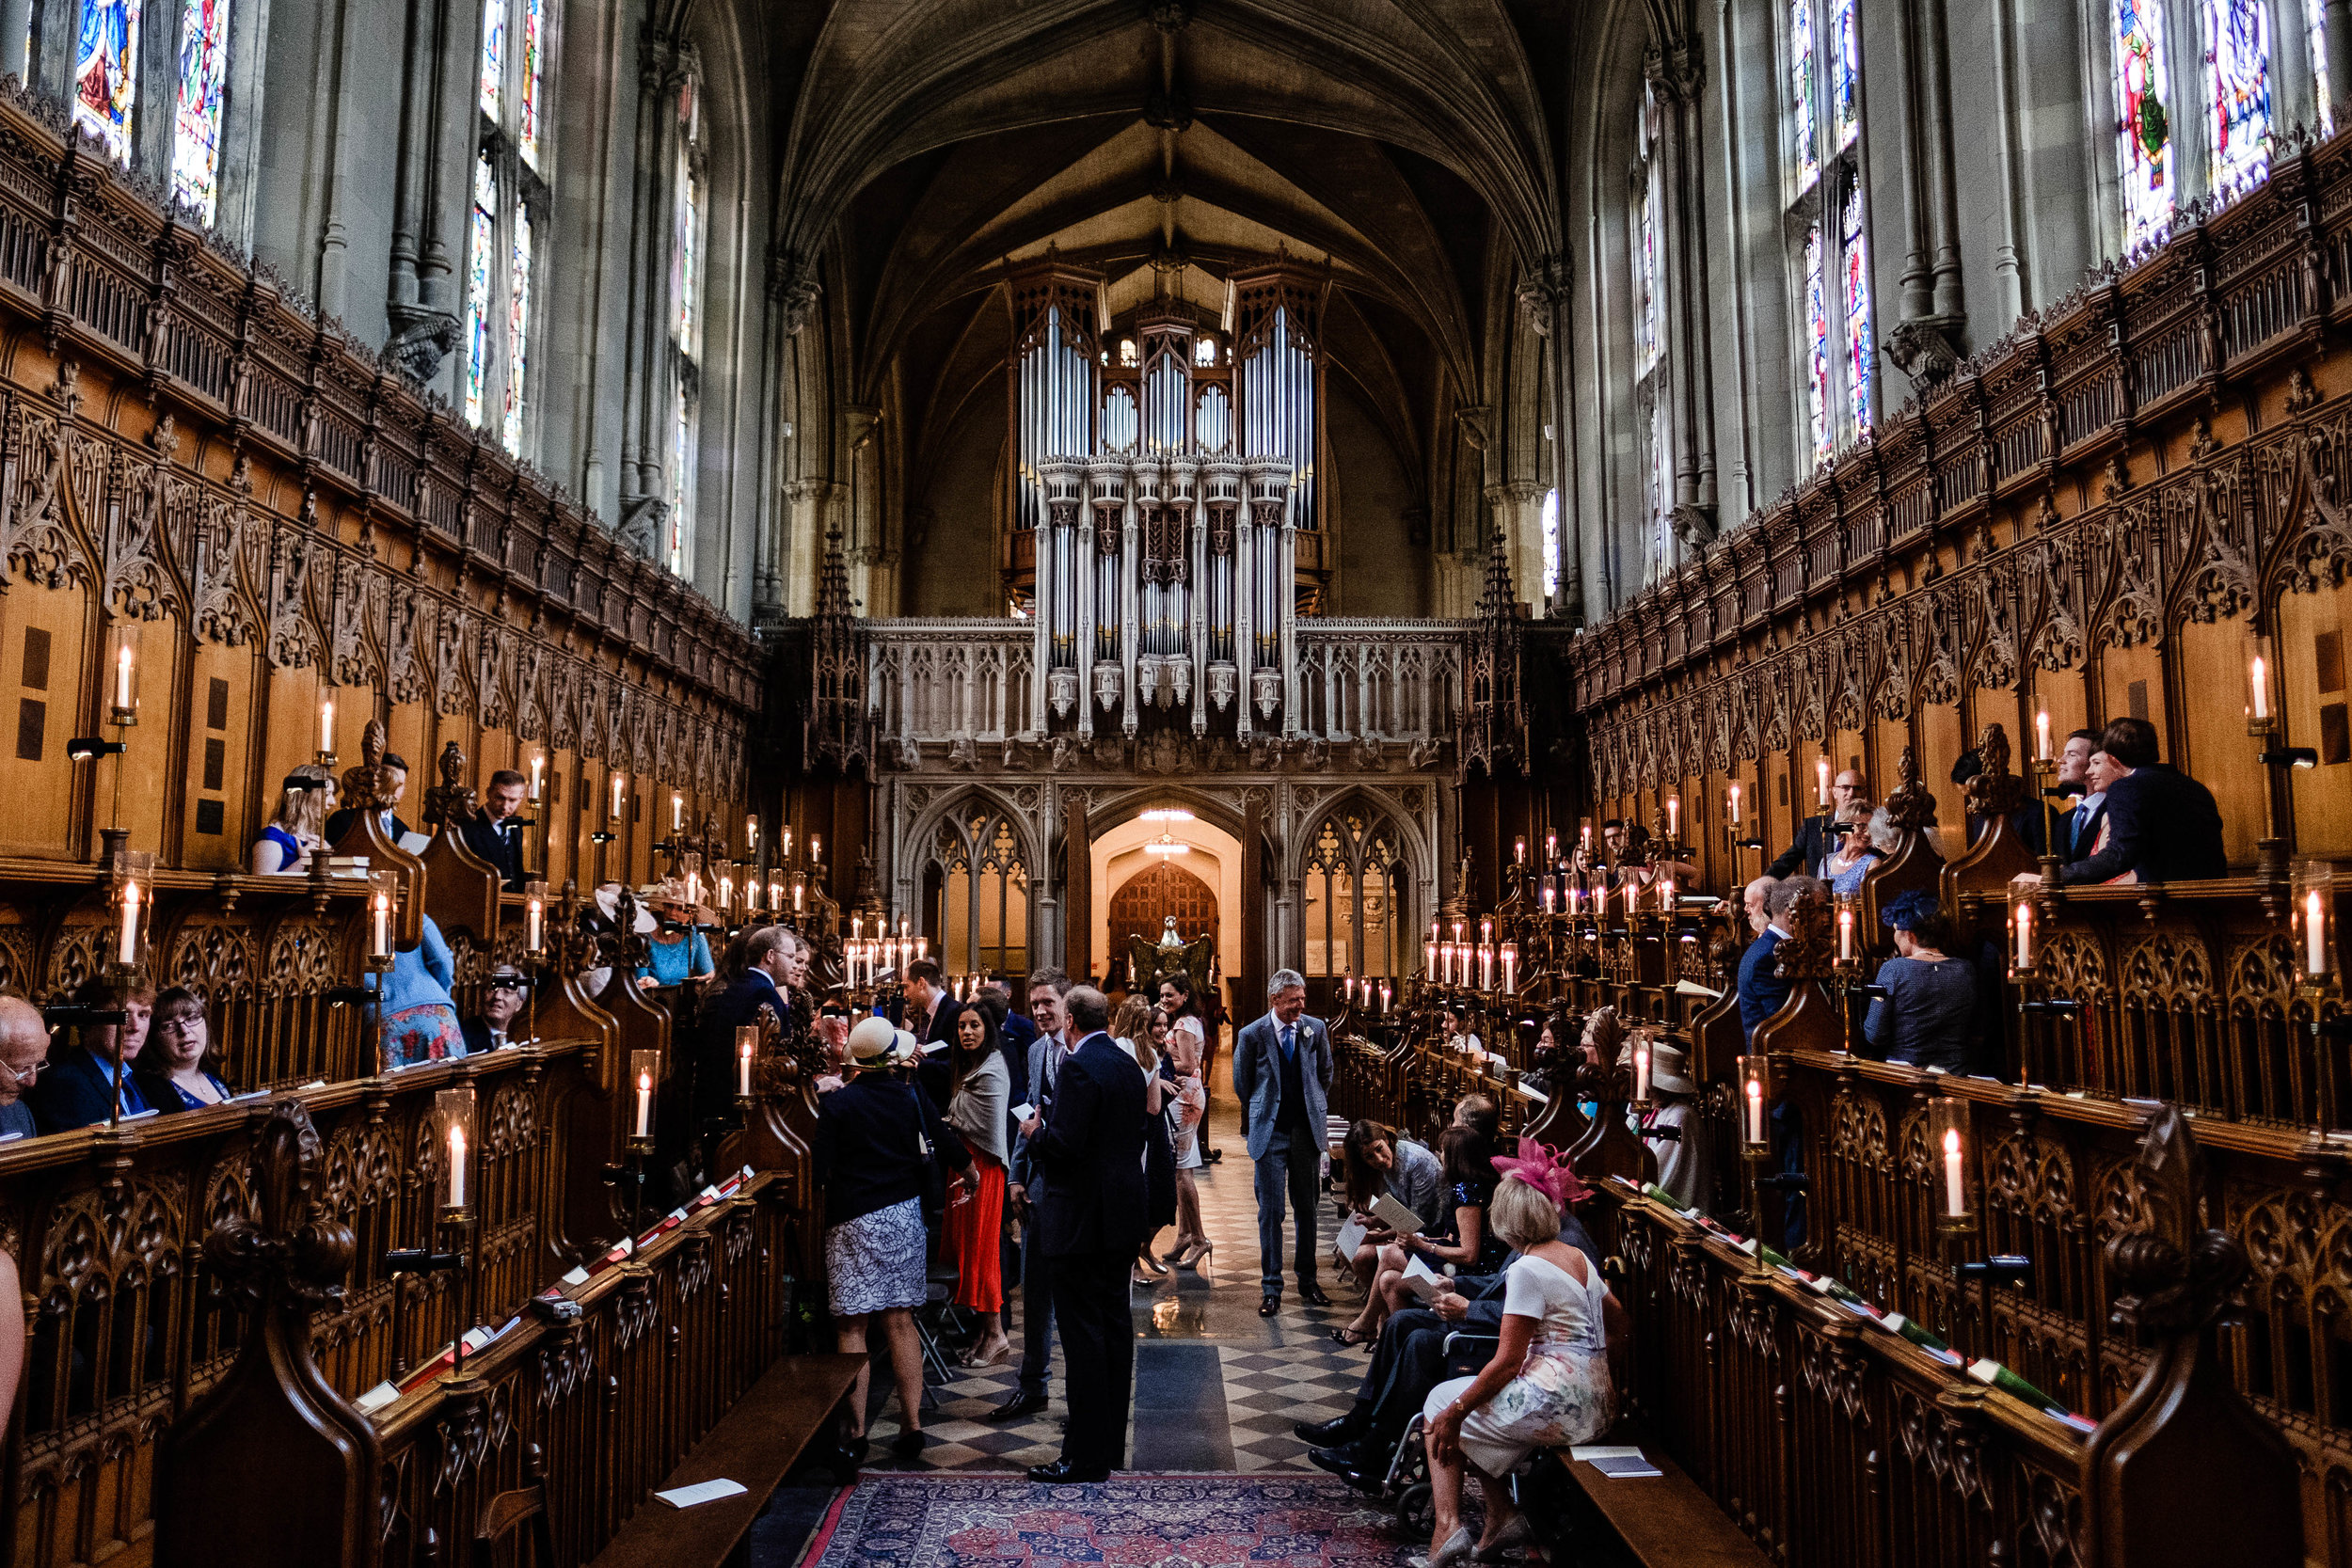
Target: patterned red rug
<point x="1002" y="1521"/>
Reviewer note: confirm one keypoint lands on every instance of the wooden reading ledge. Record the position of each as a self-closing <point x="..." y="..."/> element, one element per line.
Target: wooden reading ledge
<point x="1663" y="1519"/>
<point x="755" y="1444"/>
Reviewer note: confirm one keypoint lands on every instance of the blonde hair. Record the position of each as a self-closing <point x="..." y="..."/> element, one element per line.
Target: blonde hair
<point x="1521" y="1215"/>
<point x="303" y="812"/>
<point x="1134" y="1025"/>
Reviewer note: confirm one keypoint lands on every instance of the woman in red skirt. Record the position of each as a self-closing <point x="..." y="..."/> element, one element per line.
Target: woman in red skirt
<point x="978" y="1110"/>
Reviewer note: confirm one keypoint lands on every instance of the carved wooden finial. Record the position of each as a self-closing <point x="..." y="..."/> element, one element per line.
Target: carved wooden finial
<point x="1805" y="953"/>
<point x="1911" y="806"/>
<point x="1996" y="791"/>
<point x="453" y="799"/>
<point x="365" y="787"/>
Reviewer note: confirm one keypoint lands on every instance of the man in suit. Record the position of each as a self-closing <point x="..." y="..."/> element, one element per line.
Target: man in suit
<point x="501" y="1003"/>
<point x="23" y="1052"/>
<point x="1814" y="839"/>
<point x="930" y="1018"/>
<point x="774" y="961"/>
<point x="79" y="1088"/>
<point x="1013" y="1040"/>
<point x="1088" y="1143"/>
<point x="1026" y="1185"/>
<point x="495" y="832"/>
<point x="1762" y="991"/>
<point x="396" y="770"/>
<point x="1281" y="1076"/>
<point x="2079" y="829"/>
<point x="2162" y="826"/>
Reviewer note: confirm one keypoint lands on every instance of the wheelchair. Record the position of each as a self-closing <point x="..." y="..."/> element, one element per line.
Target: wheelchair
<point x="1540" y="1490"/>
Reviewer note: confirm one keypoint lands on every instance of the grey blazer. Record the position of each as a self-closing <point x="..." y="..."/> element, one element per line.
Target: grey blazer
<point x="1045" y="1059"/>
<point x="1258" y="1077"/>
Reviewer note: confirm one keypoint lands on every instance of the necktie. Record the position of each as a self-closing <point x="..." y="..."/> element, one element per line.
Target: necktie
<point x="1290" y="1046"/>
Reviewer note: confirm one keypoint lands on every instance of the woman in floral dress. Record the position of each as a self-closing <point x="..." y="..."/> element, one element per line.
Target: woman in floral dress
<point x="1548" y="1384"/>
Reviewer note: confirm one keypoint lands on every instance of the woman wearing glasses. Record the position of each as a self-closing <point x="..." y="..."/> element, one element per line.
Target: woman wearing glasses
<point x="177" y="1080"/>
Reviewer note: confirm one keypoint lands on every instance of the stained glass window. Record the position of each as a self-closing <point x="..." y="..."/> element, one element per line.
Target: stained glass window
<point x="494" y="59"/>
<point x="2237" y="91"/>
<point x="517" y="329"/>
<point x="1861" y="353"/>
<point x="196" y="128"/>
<point x="2315" y="28"/>
<point x="1551" y="543"/>
<point x="1845" y="74"/>
<point x="2143" y="124"/>
<point x="1817" y="342"/>
<point x="1661" y="482"/>
<point x="1645" y="268"/>
<point x="106" y="72"/>
<point x="686" y="258"/>
<point x="1803" y="120"/>
<point x="481" y="268"/>
<point x="534" y="48"/>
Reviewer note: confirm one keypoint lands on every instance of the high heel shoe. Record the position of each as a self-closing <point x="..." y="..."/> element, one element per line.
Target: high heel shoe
<point x="1195" y="1253"/>
<point x="1151" y="1263"/>
<point x="1517" y="1533"/>
<point x="1458" y="1546"/>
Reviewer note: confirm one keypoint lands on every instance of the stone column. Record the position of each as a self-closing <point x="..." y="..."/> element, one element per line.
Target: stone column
<point x="1671" y="69"/>
<point x="1544" y="295"/>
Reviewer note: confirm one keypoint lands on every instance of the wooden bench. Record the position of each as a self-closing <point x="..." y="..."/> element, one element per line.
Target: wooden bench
<point x="757" y="1443"/>
<point x="1664" y="1519"/>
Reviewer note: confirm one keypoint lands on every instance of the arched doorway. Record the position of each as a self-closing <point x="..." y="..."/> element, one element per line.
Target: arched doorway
<point x="1141" y="906"/>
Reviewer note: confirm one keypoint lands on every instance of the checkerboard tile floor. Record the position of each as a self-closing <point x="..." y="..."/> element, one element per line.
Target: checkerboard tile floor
<point x="1276" y="1371"/>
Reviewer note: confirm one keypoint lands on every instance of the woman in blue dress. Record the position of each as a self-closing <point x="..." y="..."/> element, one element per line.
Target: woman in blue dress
<point x="292" y="837"/>
<point x="417" y="1013"/>
<point x="1850" y="861"/>
<point x="676" y="950"/>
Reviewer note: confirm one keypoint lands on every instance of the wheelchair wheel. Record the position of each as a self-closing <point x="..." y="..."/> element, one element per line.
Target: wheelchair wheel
<point x="1416" y="1511"/>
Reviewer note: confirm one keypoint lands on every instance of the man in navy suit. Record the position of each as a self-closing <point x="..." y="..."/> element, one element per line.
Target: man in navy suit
<point x="1814" y="838"/>
<point x="1281" y="1076"/>
<point x="2162" y="825"/>
<point x="1026" y="1185"/>
<point x="79" y="1088"/>
<point x="1089" y="1144"/>
<point x="1762" y="991"/>
<point x="494" y="832"/>
<point x="774" y="961"/>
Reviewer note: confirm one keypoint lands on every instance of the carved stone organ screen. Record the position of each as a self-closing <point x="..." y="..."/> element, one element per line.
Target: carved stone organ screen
<point x="1165" y="481"/>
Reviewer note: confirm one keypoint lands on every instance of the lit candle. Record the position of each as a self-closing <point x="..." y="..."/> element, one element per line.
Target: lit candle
<point x="1845" y="935"/>
<point x="1384" y="997"/>
<point x="381" y="940"/>
<point x="1429" y="952"/>
<point x="746" y="1042"/>
<point x="727" y="894"/>
<point x="1588" y="838"/>
<point x="122" y="678"/>
<point x="922" y="948"/>
<point x="1821" y="782"/>
<point x="2314" y="934"/>
<point x="1519" y="845"/>
<point x="2261" y="680"/>
<point x="1552" y="846"/>
<point x="1511" y="966"/>
<point x="1955" y="1187"/>
<point x="2042" y="735"/>
<point x="677" y="812"/>
<point x="1641" y="1071"/>
<point x="619" y="785"/>
<point x="1735" y="805"/>
<point x="815" y="850"/>
<point x="1486" y="966"/>
<point x="1576" y="897"/>
<point x="538" y="765"/>
<point x="1457" y="931"/>
<point x="326" y="727"/>
<point x="1674" y="818"/>
<point x="129" y="947"/>
<point x="1547" y="897"/>
<point x="857" y="926"/>
<point x="750" y="835"/>
<point x="534" y="916"/>
<point x="2025" y="936"/>
<point x="456" y="1166"/>
<point x="1756" y="1112"/>
<point x="797" y="891"/>
<point x="1666" y="895"/>
<point x="645" y="1103"/>
<point x="1486" y="931"/>
<point x="902" y="925"/>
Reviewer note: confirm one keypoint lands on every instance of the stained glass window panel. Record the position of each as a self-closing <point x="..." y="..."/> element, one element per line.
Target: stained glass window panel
<point x="1661" y="489"/>
<point x="2237" y="91"/>
<point x="518" y="330"/>
<point x="494" y="59"/>
<point x="196" y="126"/>
<point x="2315" y="28"/>
<point x="2143" y="122"/>
<point x="534" y="62"/>
<point x="1861" y="353"/>
<point x="1845" y="74"/>
<point x="1551" y="543"/>
<point x="1645" y="261"/>
<point x="1817" y="342"/>
<point x="1803" y="119"/>
<point x="106" y="72"/>
<point x="481" y="266"/>
<point x="681" y="477"/>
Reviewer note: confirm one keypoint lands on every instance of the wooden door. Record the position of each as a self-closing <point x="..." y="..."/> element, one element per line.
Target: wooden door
<point x="1142" y="907"/>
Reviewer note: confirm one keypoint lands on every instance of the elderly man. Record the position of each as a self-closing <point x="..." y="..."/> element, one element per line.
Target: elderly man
<point x="495" y="834"/>
<point x="501" y="1003"/>
<point x="23" y="1052"/>
<point x="1282" y="1076"/>
<point x="1762" y="991"/>
<point x="773" y="956"/>
<point x="1815" y="838"/>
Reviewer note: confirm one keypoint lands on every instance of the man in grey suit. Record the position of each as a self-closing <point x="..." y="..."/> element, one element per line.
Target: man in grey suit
<point x="1026" y="1190"/>
<point x="1282" y="1076"/>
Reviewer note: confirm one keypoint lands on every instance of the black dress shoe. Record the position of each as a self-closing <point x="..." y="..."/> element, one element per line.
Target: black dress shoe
<point x="1270" y="1306"/>
<point x="1024" y="1403"/>
<point x="1311" y="1293"/>
<point x="1340" y="1429"/>
<point x="1349" y="1462"/>
<point x="908" y="1445"/>
<point x="1062" y="1473"/>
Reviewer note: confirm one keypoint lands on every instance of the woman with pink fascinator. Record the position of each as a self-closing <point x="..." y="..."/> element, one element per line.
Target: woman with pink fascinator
<point x="1548" y="1385"/>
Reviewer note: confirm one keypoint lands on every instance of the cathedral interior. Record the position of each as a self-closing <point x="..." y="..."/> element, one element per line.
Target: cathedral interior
<point x="1611" y="545"/>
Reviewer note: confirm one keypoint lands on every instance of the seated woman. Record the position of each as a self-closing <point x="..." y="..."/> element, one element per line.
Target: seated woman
<point x="1929" y="1015"/>
<point x="286" y="846"/>
<point x="1462" y="1240"/>
<point x="417" y="1014"/>
<point x="1850" y="858"/>
<point x="675" y="949"/>
<point x="1548" y="1385"/>
<point x="175" y="1079"/>
<point x="1377" y="1162"/>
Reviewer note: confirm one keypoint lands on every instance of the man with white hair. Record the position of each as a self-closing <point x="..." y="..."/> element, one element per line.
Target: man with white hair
<point x="1283" y="1077"/>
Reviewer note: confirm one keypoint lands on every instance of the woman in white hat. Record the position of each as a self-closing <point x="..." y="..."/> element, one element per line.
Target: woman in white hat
<point x="1682" y="1165"/>
<point x="876" y="1139"/>
<point x="675" y="949"/>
